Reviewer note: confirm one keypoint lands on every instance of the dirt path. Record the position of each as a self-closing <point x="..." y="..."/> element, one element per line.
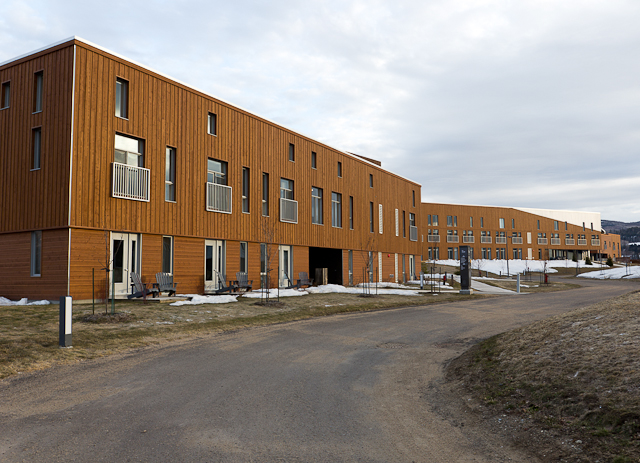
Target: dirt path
<point x="358" y="387"/>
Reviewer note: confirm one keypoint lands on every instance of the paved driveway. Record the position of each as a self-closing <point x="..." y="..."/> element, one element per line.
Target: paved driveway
<point x="343" y="388"/>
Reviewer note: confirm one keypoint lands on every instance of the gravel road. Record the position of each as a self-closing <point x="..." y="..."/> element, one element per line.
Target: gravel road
<point x="357" y="387"/>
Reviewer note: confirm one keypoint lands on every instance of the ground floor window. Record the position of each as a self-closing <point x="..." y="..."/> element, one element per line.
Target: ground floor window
<point x="243" y="257"/>
<point x="455" y="253"/>
<point x="167" y="254"/>
<point x="449" y="253"/>
<point x="36" y="253"/>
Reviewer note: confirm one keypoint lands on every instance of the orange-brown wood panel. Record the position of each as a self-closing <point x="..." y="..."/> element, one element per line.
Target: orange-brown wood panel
<point x="300" y="261"/>
<point x="90" y="252"/>
<point x="188" y="265"/>
<point x="151" y="258"/>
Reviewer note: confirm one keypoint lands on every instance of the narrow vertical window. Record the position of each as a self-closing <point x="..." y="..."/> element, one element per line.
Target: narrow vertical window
<point x="37" y="148"/>
<point x="212" y="124"/>
<point x="167" y="254"/>
<point x="471" y="222"/>
<point x="292" y="152"/>
<point x="351" y="212"/>
<point x="413" y="193"/>
<point x="501" y="223"/>
<point x="36" y="253"/>
<point x="455" y="220"/>
<point x="513" y="223"/>
<point x="263" y="258"/>
<point x="243" y="257"/>
<point x="336" y="210"/>
<point x="339" y="169"/>
<point x="314" y="164"/>
<point x="265" y="194"/>
<point x="122" y="98"/>
<point x="170" y="175"/>
<point x="397" y="224"/>
<point x="245" y="190"/>
<point x="370" y="180"/>
<point x="429" y="219"/>
<point x="6" y="95"/>
<point x="316" y="205"/>
<point x="539" y="225"/>
<point x="404" y="230"/>
<point x="37" y="92"/>
<point x="371" y="217"/>
<point x="481" y="222"/>
<point x="380" y="223"/>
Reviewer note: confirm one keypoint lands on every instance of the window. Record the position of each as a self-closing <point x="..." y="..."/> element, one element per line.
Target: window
<point x="591" y="226"/>
<point x="501" y="223"/>
<point x="170" y="175"/>
<point x="245" y="190"/>
<point x="314" y="164"/>
<point x="316" y="205"/>
<point x="380" y="218"/>
<point x="449" y="253"/>
<point x="513" y="223"/>
<point x="292" y="152"/>
<point x="371" y="217"/>
<point x="404" y="230"/>
<point x="37" y="92"/>
<point x="36" y="140"/>
<point x="412" y="219"/>
<point x="555" y="225"/>
<point x="413" y="194"/>
<point x="129" y="150"/>
<point x="286" y="188"/>
<point x="471" y="222"/>
<point x="216" y="171"/>
<point x="565" y="225"/>
<point x="244" y="267"/>
<point x="434" y="220"/>
<point x="212" y="124"/>
<point x="370" y="180"/>
<point x="6" y="95"/>
<point x="429" y="219"/>
<point x="263" y="258"/>
<point x="455" y="220"/>
<point x="36" y="253"/>
<point x="538" y="225"/>
<point x="122" y="98"/>
<point x="449" y="221"/>
<point x="351" y="212"/>
<point x="336" y="210"/>
<point x="265" y="194"/>
<point x="167" y="254"/>
<point x="397" y="224"/>
<point x="339" y="169"/>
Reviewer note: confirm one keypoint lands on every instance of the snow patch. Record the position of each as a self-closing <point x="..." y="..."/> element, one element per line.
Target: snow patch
<point x="197" y="299"/>
<point x="23" y="301"/>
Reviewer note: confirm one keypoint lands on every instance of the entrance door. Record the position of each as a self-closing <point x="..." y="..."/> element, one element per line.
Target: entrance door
<point x="412" y="267"/>
<point x="125" y="259"/>
<point x="214" y="263"/>
<point x="286" y="266"/>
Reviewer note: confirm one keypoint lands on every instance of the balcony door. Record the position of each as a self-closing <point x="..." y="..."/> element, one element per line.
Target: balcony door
<point x="124" y="260"/>
<point x="286" y="277"/>
<point x="214" y="264"/>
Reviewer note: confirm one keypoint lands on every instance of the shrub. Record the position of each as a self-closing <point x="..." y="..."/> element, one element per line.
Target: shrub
<point x="609" y="261"/>
<point x="587" y="261"/>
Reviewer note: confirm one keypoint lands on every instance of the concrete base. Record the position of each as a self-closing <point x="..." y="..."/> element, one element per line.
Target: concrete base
<point x="466" y="292"/>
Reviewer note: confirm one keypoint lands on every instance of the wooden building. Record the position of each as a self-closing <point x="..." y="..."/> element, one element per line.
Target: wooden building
<point x="106" y="164"/>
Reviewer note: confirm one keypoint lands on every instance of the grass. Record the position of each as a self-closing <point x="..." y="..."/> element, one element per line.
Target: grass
<point x="576" y="375"/>
<point x="29" y="334"/>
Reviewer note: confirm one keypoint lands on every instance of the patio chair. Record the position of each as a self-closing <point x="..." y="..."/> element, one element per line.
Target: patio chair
<point x="304" y="280"/>
<point x="223" y="288"/>
<point x="165" y="283"/>
<point x="139" y="289"/>
<point x="243" y="282"/>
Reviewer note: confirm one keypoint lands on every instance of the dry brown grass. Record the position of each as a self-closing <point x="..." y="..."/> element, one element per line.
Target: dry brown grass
<point x="576" y="375"/>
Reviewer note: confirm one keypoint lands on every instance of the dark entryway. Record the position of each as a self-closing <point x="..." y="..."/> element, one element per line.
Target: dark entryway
<point x="328" y="258"/>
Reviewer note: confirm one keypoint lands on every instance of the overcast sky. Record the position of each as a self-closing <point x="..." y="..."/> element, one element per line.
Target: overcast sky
<point x="505" y="103"/>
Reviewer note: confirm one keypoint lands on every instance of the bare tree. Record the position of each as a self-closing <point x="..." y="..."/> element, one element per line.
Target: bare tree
<point x="268" y="233"/>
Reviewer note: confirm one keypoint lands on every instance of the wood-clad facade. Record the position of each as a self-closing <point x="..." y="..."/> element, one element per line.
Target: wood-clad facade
<point x="70" y="198"/>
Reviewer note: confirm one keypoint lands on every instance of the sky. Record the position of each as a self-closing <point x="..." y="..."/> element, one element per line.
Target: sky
<point x="525" y="103"/>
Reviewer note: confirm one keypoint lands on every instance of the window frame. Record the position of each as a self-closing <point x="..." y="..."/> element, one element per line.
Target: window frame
<point x="36" y="148"/>
<point x="244" y="249"/>
<point x="38" y="91"/>
<point x="314" y="160"/>
<point x="139" y="153"/>
<point x="5" y="96"/>
<point x="265" y="194"/>
<point x="223" y="174"/>
<point x="317" y="214"/>
<point x="339" y="169"/>
<point x="170" y="175"/>
<point x="336" y="209"/>
<point x="212" y="124"/>
<point x="36" y="254"/>
<point x="292" y="189"/>
<point x="371" y="224"/>
<point x="169" y="239"/>
<point x="370" y="180"/>
<point x="292" y="152"/>
<point x="246" y="190"/>
<point x="122" y="98"/>
<point x="350" y="212"/>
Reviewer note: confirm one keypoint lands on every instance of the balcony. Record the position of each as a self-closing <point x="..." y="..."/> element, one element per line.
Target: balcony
<point x="501" y="240"/>
<point x="288" y="210"/>
<point x="453" y="239"/>
<point x="582" y="242"/>
<point x="468" y="239"/>
<point x="595" y="243"/>
<point x="130" y="182"/>
<point x="569" y="242"/>
<point x="485" y="239"/>
<point x="219" y="198"/>
<point x="555" y="241"/>
<point x="542" y="241"/>
<point x="433" y="238"/>
<point x="516" y="240"/>
<point x="413" y="233"/>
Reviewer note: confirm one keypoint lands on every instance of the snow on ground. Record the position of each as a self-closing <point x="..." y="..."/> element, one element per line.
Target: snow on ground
<point x="384" y="284"/>
<point x="23" y="301"/>
<point x="257" y="294"/>
<point x="326" y="289"/>
<point x="197" y="299"/>
<point x="613" y="274"/>
<point x="499" y="266"/>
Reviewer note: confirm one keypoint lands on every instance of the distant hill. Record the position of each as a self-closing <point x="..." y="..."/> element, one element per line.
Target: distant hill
<point x="614" y="226"/>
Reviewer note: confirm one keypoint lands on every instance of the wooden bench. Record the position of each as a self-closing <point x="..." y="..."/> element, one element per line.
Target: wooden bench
<point x="304" y="280"/>
<point x="165" y="283"/>
<point x="139" y="289"/>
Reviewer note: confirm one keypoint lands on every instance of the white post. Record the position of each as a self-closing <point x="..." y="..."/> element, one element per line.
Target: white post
<point x="66" y="311"/>
<point x="518" y="283"/>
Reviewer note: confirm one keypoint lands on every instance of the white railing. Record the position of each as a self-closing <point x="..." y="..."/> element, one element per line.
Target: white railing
<point x="542" y="241"/>
<point x="582" y="242"/>
<point x="433" y="238"/>
<point x="288" y="210"/>
<point x="485" y="239"/>
<point x="219" y="198"/>
<point x="130" y="182"/>
<point x="569" y="242"/>
<point x="501" y="240"/>
<point x="413" y="233"/>
<point x="555" y="241"/>
<point x="595" y="242"/>
<point x="516" y="240"/>
<point x="453" y="239"/>
<point x="468" y="239"/>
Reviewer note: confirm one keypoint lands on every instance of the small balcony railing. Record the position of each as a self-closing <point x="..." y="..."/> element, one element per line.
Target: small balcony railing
<point x="433" y="238"/>
<point x="501" y="240"/>
<point x="288" y="210"/>
<point x="542" y="241"/>
<point x="130" y="182"/>
<point x="453" y="239"/>
<point x="219" y="198"/>
<point x="555" y="241"/>
<point x="468" y="239"/>
<point x="595" y="242"/>
<point x="582" y="242"/>
<point x="413" y="233"/>
<point x="485" y="239"/>
<point x="516" y="240"/>
<point x="569" y="242"/>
